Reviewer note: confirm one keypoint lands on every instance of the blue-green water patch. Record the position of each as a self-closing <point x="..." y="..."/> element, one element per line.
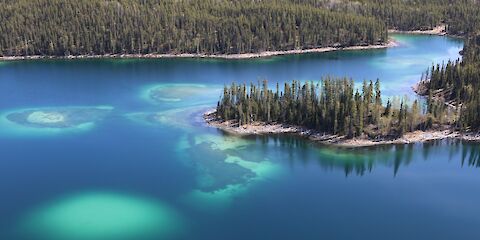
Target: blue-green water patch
<point x="181" y="94"/>
<point x="102" y="216"/>
<point x="51" y="120"/>
<point x="185" y="119"/>
<point x="223" y="172"/>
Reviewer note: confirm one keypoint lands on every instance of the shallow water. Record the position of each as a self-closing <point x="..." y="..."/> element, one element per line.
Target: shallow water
<point x="148" y="168"/>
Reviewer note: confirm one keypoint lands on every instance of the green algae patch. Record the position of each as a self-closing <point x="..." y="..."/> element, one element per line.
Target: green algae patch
<point x="223" y="172"/>
<point x="214" y="172"/>
<point x="262" y="169"/>
<point x="223" y="196"/>
<point x="31" y="121"/>
<point x="101" y="215"/>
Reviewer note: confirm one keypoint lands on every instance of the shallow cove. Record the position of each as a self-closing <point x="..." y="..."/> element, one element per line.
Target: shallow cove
<point x="223" y="187"/>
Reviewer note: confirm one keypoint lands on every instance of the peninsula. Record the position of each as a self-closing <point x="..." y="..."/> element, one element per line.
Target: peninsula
<point x="333" y="112"/>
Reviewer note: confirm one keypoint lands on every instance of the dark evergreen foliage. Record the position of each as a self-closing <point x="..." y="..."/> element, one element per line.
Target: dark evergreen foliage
<point x="82" y="27"/>
<point x="67" y="27"/>
<point x="460" y="16"/>
<point x="458" y="84"/>
<point x="332" y="106"/>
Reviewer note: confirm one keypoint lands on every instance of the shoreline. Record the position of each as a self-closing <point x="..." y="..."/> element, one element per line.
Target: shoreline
<point x="260" y="128"/>
<point x="421" y="89"/>
<point x="438" y="30"/>
<point x="264" y="54"/>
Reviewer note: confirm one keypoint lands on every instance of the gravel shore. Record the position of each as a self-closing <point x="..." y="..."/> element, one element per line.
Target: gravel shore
<point x="261" y="128"/>
<point x="390" y="43"/>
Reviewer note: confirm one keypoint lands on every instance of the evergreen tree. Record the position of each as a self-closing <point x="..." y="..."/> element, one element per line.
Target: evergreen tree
<point x="332" y="108"/>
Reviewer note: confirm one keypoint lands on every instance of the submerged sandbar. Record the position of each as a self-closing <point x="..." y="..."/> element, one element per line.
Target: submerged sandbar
<point x="60" y="117"/>
<point x="55" y="118"/>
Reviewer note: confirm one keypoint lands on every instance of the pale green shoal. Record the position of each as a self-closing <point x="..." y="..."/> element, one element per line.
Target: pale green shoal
<point x="223" y="143"/>
<point x="51" y="120"/>
<point x="102" y="216"/>
<point x="171" y="92"/>
<point x="177" y="118"/>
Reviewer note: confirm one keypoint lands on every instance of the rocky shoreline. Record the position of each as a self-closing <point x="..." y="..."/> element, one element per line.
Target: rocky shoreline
<point x="390" y="43"/>
<point x="260" y="128"/>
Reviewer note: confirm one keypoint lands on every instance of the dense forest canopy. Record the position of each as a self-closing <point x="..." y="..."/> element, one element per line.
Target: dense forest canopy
<point x="82" y="27"/>
<point x="460" y="16"/>
<point x="331" y="106"/>
<point x="458" y="84"/>
<point x="64" y="27"/>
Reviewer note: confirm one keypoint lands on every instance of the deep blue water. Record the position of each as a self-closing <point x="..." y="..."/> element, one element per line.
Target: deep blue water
<point x="149" y="168"/>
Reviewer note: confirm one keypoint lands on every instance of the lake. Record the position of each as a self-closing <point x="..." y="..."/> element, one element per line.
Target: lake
<point x="117" y="149"/>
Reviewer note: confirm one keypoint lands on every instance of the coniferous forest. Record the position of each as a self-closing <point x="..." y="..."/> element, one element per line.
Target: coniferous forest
<point x="458" y="84"/>
<point x="65" y="27"/>
<point x="332" y="106"/>
<point x="86" y="27"/>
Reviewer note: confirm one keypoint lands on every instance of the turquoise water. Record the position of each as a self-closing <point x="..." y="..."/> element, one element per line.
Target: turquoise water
<point x="117" y="149"/>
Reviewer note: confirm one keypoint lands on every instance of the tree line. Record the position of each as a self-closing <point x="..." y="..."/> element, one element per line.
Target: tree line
<point x="459" y="16"/>
<point x="83" y="27"/>
<point x="333" y="106"/>
<point x="457" y="83"/>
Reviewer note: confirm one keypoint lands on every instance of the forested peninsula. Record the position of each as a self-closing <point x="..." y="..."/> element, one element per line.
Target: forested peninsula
<point x="457" y="84"/>
<point x="333" y="111"/>
<point x="209" y="28"/>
